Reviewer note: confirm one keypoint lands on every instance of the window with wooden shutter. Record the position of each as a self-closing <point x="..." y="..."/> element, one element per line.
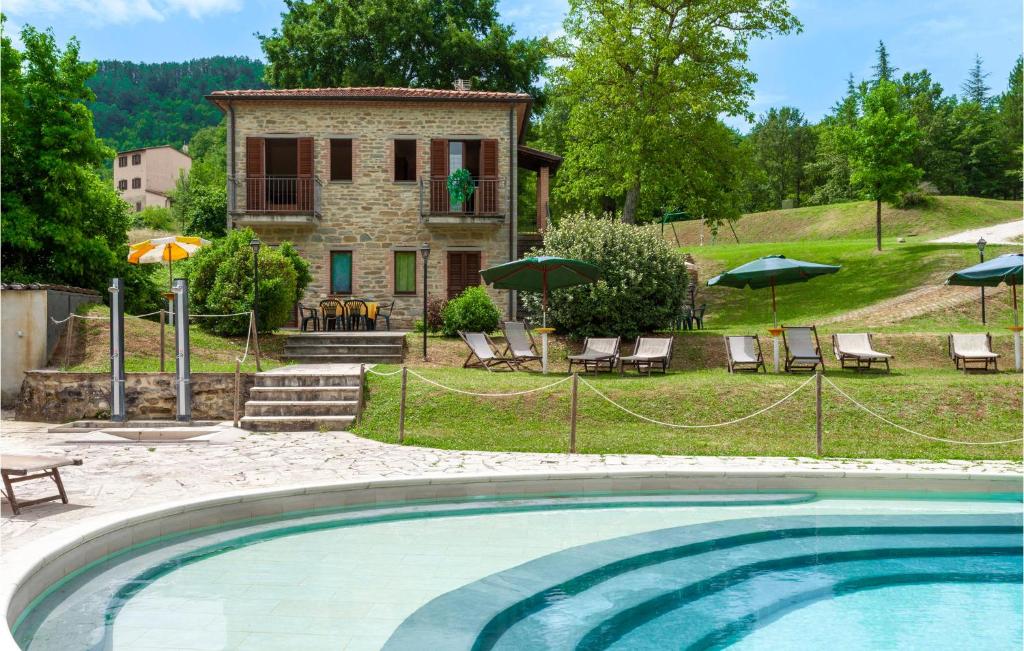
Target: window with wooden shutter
<point x="463" y="271"/>
<point x="341" y="272"/>
<point x="304" y="184"/>
<point x="439" y="175"/>
<point x="405" y="272"/>
<point x="341" y="159"/>
<point x="255" y="179"/>
<point x="405" y="160"/>
<point x="487" y="202"/>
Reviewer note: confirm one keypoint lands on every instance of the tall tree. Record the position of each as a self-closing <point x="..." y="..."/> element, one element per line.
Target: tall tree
<point x="884" y="70"/>
<point x="422" y="43"/>
<point x="782" y="143"/>
<point x="1011" y="111"/>
<point x="62" y="223"/>
<point x="881" y="149"/>
<point x="936" y="153"/>
<point x="974" y="87"/>
<point x="643" y="78"/>
<point x="829" y="172"/>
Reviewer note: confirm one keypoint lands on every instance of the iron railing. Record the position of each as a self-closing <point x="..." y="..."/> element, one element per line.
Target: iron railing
<point x="292" y="195"/>
<point x="484" y="202"/>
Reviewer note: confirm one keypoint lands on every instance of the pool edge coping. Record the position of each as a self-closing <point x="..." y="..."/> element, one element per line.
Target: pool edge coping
<point x="28" y="572"/>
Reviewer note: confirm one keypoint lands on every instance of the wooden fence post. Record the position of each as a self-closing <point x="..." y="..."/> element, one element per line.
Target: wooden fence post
<point x="238" y="387"/>
<point x="255" y="340"/>
<point x="572" y="416"/>
<point x="401" y="410"/>
<point x="817" y="401"/>
<point x="163" y="346"/>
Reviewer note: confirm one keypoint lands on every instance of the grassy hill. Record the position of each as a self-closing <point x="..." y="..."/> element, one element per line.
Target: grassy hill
<point x="855" y="220"/>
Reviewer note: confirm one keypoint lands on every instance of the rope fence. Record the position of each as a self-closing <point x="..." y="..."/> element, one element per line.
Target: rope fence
<point x="575" y="379"/>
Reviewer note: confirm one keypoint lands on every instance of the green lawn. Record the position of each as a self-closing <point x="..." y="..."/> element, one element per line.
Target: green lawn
<point x="867" y="277"/>
<point x="940" y="403"/>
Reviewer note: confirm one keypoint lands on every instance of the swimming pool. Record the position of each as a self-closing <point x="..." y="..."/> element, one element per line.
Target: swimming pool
<point x="786" y="569"/>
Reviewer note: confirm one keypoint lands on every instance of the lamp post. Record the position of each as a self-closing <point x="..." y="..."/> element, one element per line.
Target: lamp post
<point x="255" y="244"/>
<point x="425" y="252"/>
<point x="981" y="258"/>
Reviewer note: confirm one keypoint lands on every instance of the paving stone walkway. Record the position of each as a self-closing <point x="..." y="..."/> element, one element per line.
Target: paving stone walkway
<point x="124" y="476"/>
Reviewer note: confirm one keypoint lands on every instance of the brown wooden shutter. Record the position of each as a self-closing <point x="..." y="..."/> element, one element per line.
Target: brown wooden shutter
<point x="463" y="271"/>
<point x="439" y="175"/>
<point x="489" y="159"/>
<point x="255" y="188"/>
<point x="304" y="167"/>
<point x="487" y="203"/>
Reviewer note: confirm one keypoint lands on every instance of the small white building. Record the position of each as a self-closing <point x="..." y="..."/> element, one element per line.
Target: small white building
<point x="144" y="177"/>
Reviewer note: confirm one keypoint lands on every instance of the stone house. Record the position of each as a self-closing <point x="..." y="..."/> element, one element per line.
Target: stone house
<point x="144" y="177"/>
<point x="356" y="179"/>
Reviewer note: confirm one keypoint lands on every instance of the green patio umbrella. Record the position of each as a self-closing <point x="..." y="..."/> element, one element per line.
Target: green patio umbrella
<point x="769" y="271"/>
<point x="1007" y="268"/>
<point x="541" y="274"/>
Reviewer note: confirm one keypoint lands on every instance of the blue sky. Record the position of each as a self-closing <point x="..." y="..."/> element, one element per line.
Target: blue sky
<point x="806" y="70"/>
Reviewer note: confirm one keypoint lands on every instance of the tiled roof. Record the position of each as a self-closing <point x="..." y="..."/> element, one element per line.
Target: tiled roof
<point x="373" y="92"/>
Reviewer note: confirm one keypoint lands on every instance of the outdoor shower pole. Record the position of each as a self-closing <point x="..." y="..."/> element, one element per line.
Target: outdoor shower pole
<point x="425" y="252"/>
<point x="182" y="366"/>
<point x="117" y="406"/>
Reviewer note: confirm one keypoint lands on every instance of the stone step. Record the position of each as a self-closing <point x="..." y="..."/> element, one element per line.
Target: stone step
<point x="341" y="349"/>
<point x="305" y="380"/>
<point x="300" y="408"/>
<point x="296" y="423"/>
<point x="304" y="393"/>
<point x="341" y="339"/>
<point x="346" y="359"/>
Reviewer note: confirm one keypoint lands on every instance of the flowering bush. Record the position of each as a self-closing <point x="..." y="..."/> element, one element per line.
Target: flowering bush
<point x="472" y="311"/>
<point x="642" y="286"/>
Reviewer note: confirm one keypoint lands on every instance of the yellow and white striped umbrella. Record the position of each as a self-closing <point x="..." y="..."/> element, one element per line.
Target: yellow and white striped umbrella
<point x="165" y="249"/>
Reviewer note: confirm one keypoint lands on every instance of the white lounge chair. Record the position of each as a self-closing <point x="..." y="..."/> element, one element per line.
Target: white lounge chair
<point x="649" y="353"/>
<point x="481" y="347"/>
<point x="858" y="349"/>
<point x="519" y="345"/>
<point x="803" y="352"/>
<point x="598" y="353"/>
<point x="972" y="349"/>
<point x="15" y="468"/>
<point x="743" y="353"/>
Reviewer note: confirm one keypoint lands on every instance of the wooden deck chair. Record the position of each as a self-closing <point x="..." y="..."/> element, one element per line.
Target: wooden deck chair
<point x="482" y="348"/>
<point x="16" y="468"/>
<point x="858" y="350"/>
<point x="743" y="353"/>
<point x="803" y="352"/>
<point x="649" y="353"/>
<point x="598" y="353"/>
<point x="975" y="349"/>
<point x="519" y="344"/>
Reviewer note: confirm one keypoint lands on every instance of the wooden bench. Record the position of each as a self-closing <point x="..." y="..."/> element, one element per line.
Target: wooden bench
<point x="15" y="468"/>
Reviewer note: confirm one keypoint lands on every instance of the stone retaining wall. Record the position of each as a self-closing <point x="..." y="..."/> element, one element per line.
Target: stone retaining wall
<point x="59" y="397"/>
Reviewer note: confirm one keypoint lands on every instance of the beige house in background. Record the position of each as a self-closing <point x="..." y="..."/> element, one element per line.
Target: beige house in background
<point x="144" y="177"/>
<point x="356" y="179"/>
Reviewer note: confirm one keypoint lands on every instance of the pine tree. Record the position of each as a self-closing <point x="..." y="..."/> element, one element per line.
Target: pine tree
<point x="975" y="89"/>
<point x="883" y="69"/>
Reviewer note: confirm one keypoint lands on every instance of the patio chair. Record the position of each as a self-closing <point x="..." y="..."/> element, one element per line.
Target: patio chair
<point x="803" y="352"/>
<point x="698" y="317"/>
<point x="858" y="349"/>
<point x="334" y="314"/>
<point x="308" y="315"/>
<point x="597" y="352"/>
<point x="968" y="349"/>
<point x="743" y="353"/>
<point x="482" y="348"/>
<point x="685" y="319"/>
<point x="519" y="344"/>
<point x="16" y="468"/>
<point x="356" y="315"/>
<point x="649" y="353"/>
<point x="384" y="312"/>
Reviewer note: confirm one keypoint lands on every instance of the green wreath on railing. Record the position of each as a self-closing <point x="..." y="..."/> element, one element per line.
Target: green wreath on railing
<point x="460" y="186"/>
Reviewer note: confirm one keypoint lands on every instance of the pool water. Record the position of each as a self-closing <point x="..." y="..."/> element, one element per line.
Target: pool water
<point x="764" y="571"/>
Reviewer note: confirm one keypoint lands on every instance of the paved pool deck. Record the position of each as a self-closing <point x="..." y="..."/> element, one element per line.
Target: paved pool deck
<point x="121" y="476"/>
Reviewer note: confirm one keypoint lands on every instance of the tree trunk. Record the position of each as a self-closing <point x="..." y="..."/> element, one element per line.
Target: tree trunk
<point x="632" y="199"/>
<point x="878" y="224"/>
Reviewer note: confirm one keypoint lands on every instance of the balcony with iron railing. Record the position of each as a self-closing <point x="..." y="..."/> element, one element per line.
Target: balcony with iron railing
<point x="263" y="200"/>
<point x="484" y="205"/>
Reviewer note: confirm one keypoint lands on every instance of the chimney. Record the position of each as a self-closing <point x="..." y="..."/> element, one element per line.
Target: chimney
<point x="463" y="84"/>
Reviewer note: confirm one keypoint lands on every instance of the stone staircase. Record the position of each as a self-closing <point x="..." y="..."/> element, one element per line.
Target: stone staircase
<point x="369" y="347"/>
<point x="313" y="397"/>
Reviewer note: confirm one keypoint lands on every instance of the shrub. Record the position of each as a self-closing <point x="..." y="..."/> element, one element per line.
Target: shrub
<point x="642" y="286"/>
<point x="912" y="199"/>
<point x="220" y="282"/>
<point x="473" y="310"/>
<point x="155" y="218"/>
<point x="302" y="275"/>
<point x="435" y="315"/>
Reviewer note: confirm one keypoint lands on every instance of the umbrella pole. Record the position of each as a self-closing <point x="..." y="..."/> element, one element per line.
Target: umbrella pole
<point x="544" y="331"/>
<point x="1017" y="362"/>
<point x="775" y="317"/>
<point x="775" y="330"/>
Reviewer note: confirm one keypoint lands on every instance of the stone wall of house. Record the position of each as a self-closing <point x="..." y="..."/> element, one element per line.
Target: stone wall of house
<point x="60" y="397"/>
<point x="372" y="215"/>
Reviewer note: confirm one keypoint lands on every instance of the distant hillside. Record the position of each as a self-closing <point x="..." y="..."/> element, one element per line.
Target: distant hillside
<point x="144" y="104"/>
<point x="854" y="220"/>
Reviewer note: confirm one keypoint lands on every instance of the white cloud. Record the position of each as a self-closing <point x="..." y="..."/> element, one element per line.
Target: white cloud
<point x="120" y="11"/>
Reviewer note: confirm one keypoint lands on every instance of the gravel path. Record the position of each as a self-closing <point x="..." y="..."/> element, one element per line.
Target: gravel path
<point x="1009" y="233"/>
